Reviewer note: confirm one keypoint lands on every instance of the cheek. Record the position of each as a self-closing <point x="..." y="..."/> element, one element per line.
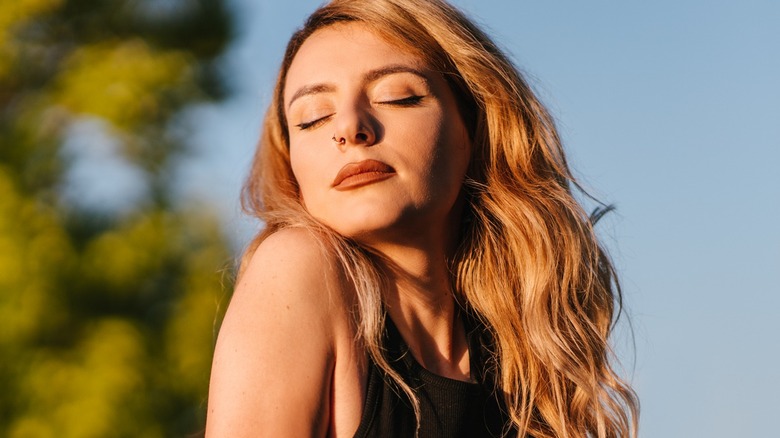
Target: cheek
<point x="311" y="171"/>
<point x="450" y="165"/>
<point x="451" y="155"/>
<point x="458" y="144"/>
<point x="303" y="170"/>
<point x="296" y="164"/>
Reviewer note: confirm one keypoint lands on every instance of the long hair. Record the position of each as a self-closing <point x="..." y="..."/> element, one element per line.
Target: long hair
<point x="529" y="265"/>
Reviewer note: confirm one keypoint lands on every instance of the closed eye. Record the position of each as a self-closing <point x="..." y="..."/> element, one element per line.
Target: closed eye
<point x="405" y="102"/>
<point x="312" y="124"/>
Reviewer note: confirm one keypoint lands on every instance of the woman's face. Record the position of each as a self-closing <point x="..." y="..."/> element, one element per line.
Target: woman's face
<point x="377" y="144"/>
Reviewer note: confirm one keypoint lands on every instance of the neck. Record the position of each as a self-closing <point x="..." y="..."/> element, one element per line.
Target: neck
<point x="416" y="260"/>
<point x="418" y="273"/>
<point x="420" y="300"/>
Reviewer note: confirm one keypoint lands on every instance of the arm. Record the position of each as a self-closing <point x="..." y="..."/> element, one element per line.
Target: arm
<point x="274" y="358"/>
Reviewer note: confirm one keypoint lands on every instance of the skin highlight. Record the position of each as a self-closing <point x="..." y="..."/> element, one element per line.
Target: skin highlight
<point x="425" y="143"/>
<point x="507" y="240"/>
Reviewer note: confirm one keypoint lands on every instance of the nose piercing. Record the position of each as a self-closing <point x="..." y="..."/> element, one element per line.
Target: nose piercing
<point x="340" y="141"/>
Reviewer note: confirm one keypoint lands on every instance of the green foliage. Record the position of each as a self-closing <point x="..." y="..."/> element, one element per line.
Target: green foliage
<point x="106" y="317"/>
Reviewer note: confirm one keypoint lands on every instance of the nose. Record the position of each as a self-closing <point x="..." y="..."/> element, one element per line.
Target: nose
<point x="355" y="126"/>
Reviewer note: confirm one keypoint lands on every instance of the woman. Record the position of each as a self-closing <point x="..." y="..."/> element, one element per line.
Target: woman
<point x="424" y="267"/>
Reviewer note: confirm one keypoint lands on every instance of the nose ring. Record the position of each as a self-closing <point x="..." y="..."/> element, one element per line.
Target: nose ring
<point x="340" y="140"/>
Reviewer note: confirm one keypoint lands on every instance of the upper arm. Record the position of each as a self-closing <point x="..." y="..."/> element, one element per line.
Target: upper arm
<point x="274" y="356"/>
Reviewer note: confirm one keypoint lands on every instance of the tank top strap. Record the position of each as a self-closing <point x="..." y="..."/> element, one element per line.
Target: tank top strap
<point x="448" y="407"/>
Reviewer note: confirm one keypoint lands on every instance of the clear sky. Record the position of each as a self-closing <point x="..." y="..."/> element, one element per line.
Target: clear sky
<point x="668" y="109"/>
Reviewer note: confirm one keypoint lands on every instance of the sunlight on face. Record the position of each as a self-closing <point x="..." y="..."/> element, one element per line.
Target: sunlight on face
<point x="377" y="144"/>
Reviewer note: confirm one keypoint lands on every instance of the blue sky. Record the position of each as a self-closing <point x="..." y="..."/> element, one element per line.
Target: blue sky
<point x="668" y="109"/>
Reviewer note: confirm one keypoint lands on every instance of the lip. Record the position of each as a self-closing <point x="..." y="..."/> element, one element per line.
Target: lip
<point x="354" y="175"/>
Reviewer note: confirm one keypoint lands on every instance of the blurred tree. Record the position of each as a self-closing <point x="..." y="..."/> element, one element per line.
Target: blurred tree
<point x="107" y="309"/>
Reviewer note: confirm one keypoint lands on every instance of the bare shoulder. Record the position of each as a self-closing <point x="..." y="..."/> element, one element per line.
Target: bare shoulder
<point x="276" y="347"/>
<point x="292" y="257"/>
<point x="291" y="276"/>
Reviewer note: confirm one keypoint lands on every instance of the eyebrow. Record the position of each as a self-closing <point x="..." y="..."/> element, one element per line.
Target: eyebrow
<point x="369" y="77"/>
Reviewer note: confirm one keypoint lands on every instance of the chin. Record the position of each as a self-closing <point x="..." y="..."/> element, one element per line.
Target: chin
<point x="365" y="226"/>
<point x="364" y="232"/>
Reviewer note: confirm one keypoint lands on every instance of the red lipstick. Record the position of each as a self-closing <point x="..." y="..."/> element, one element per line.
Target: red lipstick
<point x="354" y="175"/>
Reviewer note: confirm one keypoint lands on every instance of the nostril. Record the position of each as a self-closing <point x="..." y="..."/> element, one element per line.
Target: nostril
<point x="362" y="136"/>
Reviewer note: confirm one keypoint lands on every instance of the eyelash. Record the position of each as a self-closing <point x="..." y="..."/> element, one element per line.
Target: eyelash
<point x="306" y="125"/>
<point x="405" y="102"/>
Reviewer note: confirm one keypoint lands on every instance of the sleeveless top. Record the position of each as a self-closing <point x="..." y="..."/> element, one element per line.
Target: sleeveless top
<point x="448" y="407"/>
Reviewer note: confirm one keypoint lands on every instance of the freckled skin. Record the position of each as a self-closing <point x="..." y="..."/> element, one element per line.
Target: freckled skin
<point x="288" y="338"/>
<point x="426" y="144"/>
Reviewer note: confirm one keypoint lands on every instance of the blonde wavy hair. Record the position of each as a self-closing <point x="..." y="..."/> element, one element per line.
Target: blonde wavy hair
<point x="529" y="265"/>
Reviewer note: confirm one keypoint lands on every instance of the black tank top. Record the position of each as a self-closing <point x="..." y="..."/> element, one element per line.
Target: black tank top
<point x="448" y="407"/>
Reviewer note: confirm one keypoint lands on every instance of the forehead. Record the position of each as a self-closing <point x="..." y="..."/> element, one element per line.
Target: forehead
<point x="344" y="53"/>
